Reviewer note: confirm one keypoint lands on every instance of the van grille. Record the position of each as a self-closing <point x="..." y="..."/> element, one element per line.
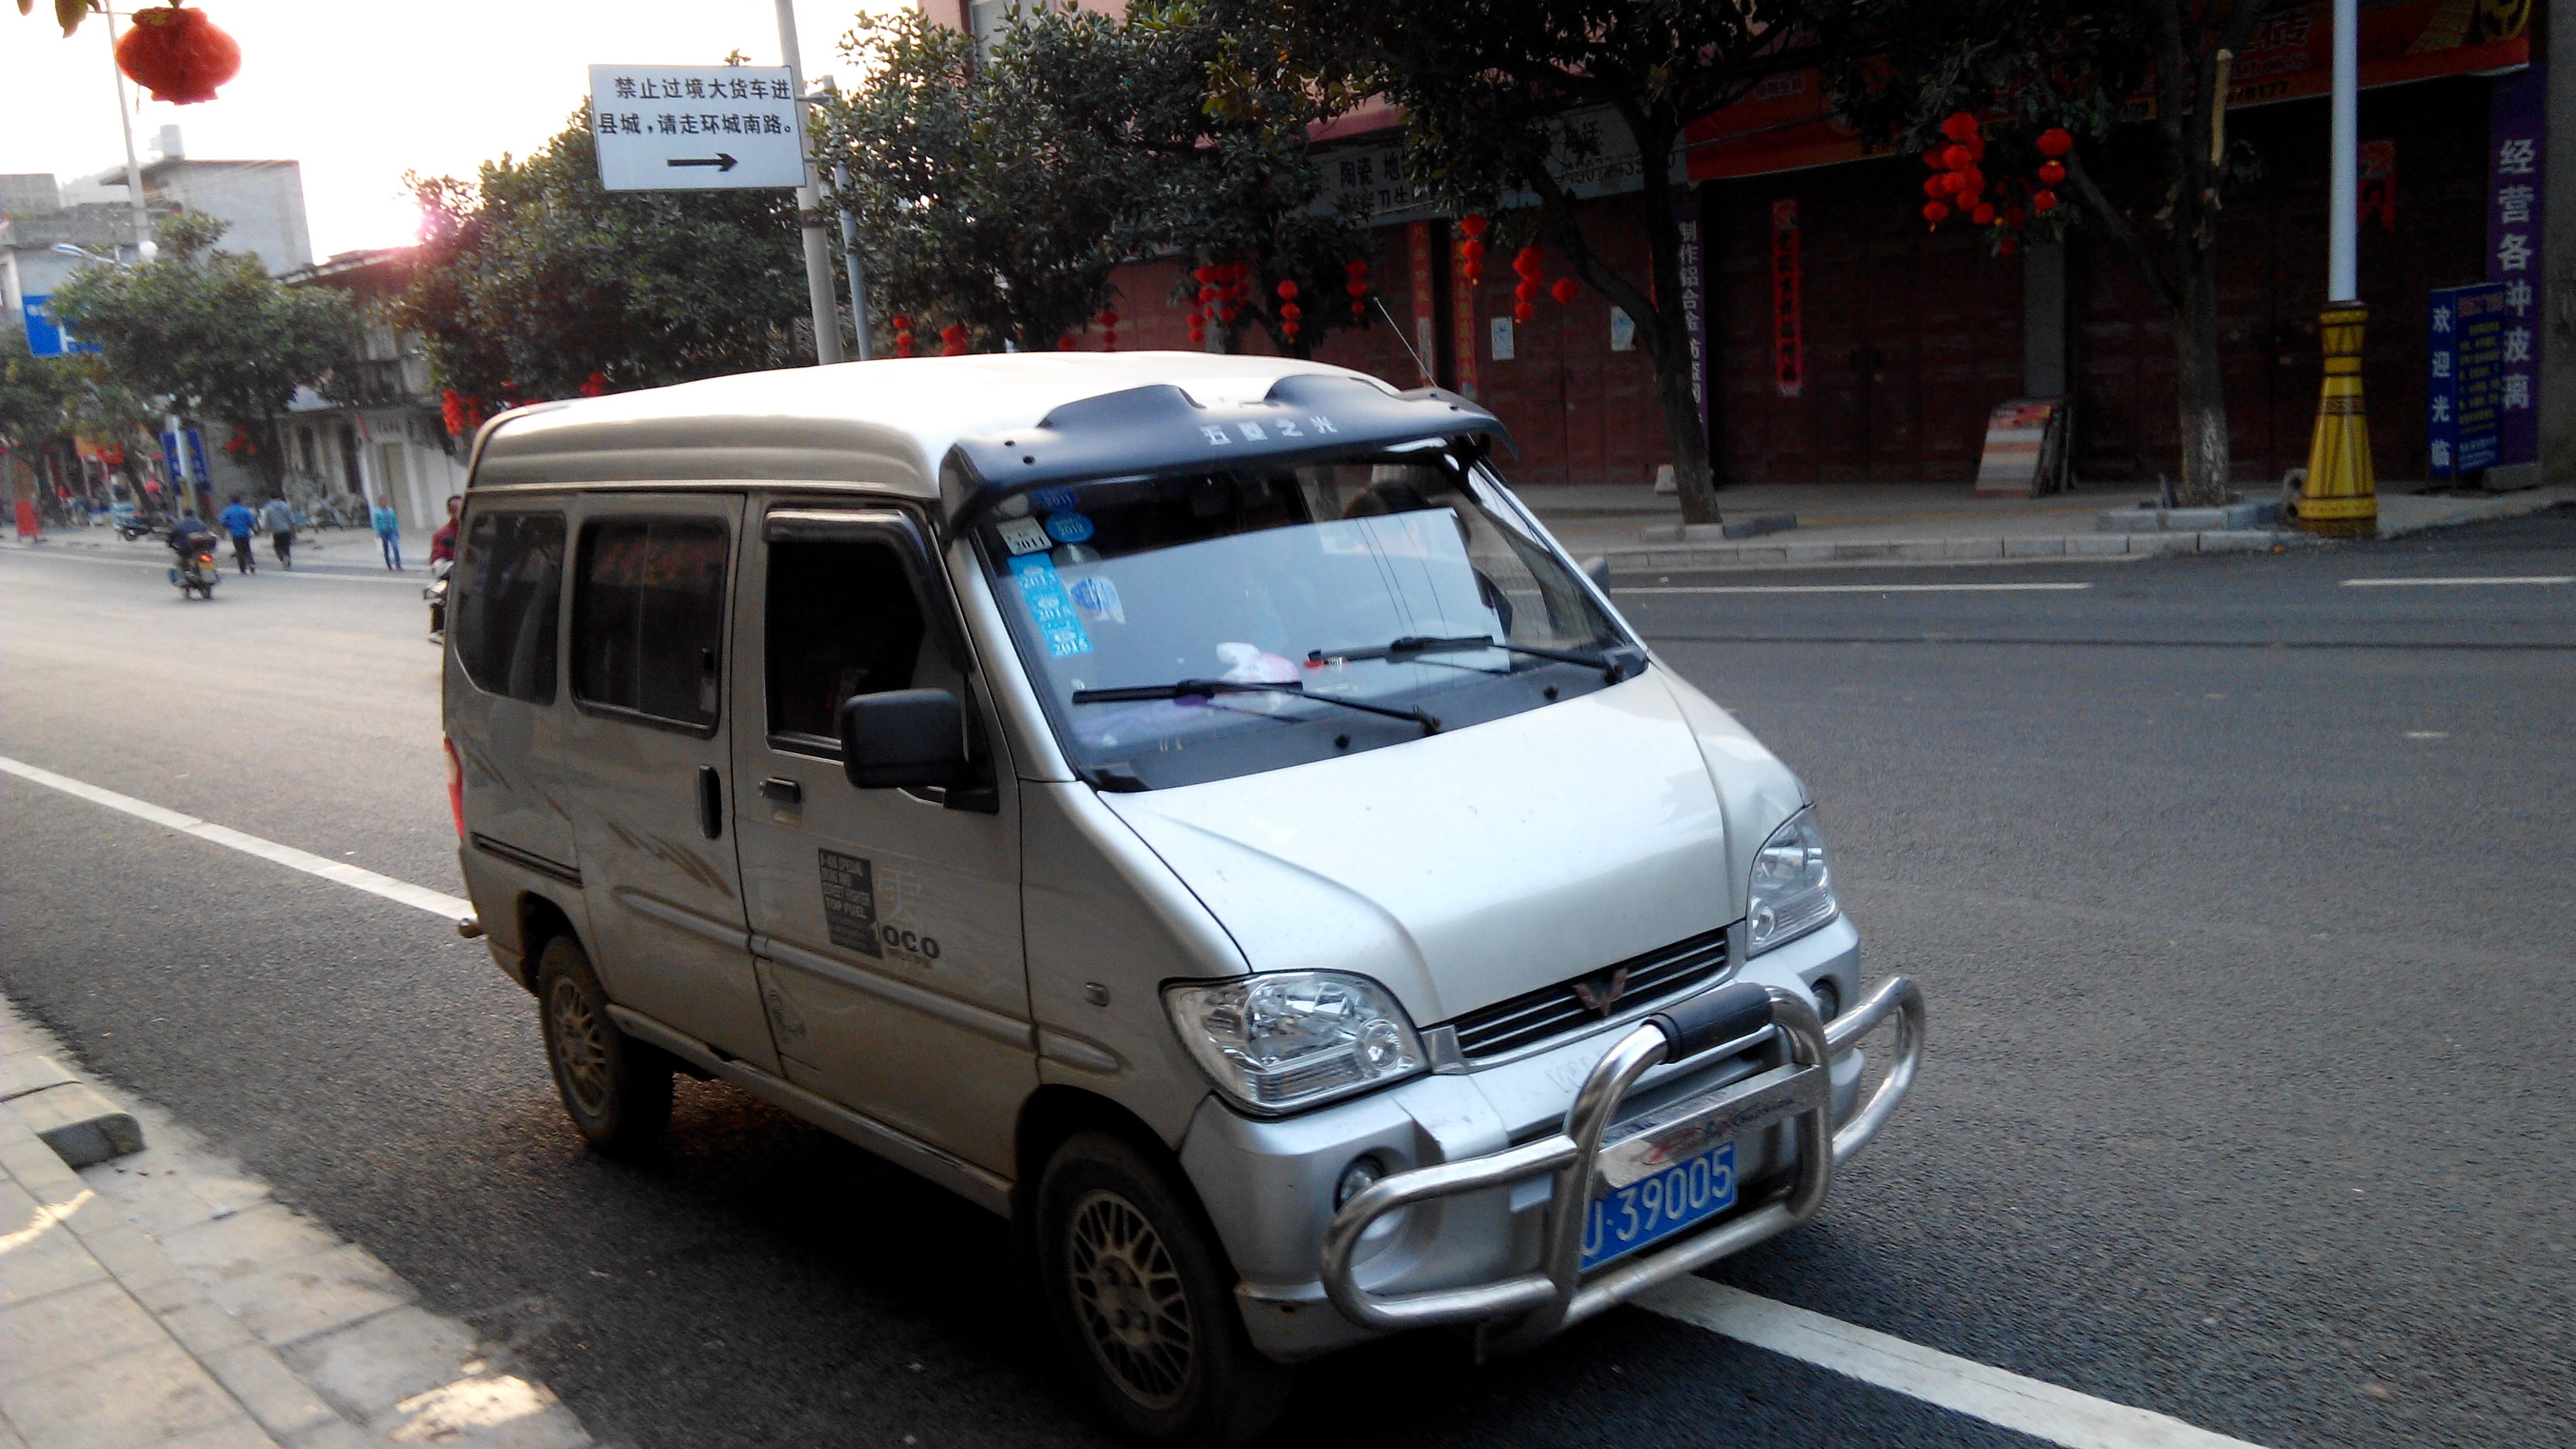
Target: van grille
<point x="1535" y="1016"/>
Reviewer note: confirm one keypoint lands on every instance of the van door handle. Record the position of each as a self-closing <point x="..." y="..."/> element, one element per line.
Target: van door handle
<point x="782" y="790"/>
<point x="710" y="803"/>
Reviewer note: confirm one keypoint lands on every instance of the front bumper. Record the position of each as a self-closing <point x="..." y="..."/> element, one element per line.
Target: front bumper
<point x="1590" y="1156"/>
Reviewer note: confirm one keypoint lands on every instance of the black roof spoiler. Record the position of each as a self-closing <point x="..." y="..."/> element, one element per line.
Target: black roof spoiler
<point x="1159" y="428"/>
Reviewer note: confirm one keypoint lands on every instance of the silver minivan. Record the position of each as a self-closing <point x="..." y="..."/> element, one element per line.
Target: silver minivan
<point x="1184" y="804"/>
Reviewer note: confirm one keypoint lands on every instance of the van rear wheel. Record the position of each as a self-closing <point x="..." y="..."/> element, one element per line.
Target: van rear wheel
<point x="1143" y="1299"/>
<point x="617" y="1090"/>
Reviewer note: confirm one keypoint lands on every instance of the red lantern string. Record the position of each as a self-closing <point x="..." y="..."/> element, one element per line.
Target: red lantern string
<point x="1287" y="290"/>
<point x="1959" y="125"/>
<point x="2056" y="141"/>
<point x="1473" y="226"/>
<point x="1935" y="213"/>
<point x="1565" y="290"/>
<point x="2051" y="173"/>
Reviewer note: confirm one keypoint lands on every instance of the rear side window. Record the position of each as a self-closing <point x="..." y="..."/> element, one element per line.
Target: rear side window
<point x="648" y="618"/>
<point x="842" y="621"/>
<point x="509" y="588"/>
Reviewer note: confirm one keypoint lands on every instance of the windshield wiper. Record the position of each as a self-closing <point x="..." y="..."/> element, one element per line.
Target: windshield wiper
<point x="1209" y="688"/>
<point x="1412" y="646"/>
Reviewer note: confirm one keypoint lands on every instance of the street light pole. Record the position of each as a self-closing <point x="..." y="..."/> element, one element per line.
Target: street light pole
<point x="850" y="254"/>
<point x="2340" y="498"/>
<point x="144" y="247"/>
<point x="809" y="204"/>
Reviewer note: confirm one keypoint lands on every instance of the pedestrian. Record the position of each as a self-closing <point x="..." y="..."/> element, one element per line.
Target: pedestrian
<point x="389" y="534"/>
<point x="238" y="521"/>
<point x="442" y="544"/>
<point x="280" y="518"/>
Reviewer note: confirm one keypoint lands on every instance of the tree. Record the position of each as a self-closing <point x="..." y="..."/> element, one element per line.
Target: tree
<point x="533" y="281"/>
<point x="2139" y="86"/>
<point x="210" y="331"/>
<point x="1214" y="180"/>
<point x="1489" y="88"/>
<point x="978" y="211"/>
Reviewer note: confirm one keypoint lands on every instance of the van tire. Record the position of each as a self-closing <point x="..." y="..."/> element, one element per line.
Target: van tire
<point x="617" y="1090"/>
<point x="1174" y="1367"/>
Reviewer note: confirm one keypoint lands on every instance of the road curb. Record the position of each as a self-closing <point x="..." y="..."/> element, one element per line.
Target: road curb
<point x="1952" y="550"/>
<point x="68" y="1115"/>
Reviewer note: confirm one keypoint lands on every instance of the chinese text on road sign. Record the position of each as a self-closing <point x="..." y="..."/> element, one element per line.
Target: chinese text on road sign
<point x="695" y="127"/>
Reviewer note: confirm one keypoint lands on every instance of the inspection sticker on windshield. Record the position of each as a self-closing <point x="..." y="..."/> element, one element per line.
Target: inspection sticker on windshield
<point x="1050" y="607"/>
<point x="1068" y="528"/>
<point x="1097" y="597"/>
<point x="1025" y="535"/>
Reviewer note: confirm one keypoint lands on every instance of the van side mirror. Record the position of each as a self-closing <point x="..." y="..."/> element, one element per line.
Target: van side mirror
<point x="904" y="737"/>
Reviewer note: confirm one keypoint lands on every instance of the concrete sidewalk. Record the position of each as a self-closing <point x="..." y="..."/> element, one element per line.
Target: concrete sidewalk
<point x="162" y="1299"/>
<point x="1925" y="523"/>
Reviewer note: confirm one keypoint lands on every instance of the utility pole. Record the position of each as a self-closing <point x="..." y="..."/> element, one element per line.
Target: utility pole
<point x="2340" y="498"/>
<point x="850" y="254"/>
<point x="809" y="203"/>
<point x="144" y="247"/>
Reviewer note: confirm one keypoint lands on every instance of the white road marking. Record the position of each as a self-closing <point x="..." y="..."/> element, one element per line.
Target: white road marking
<point x="1855" y="589"/>
<point x="399" y="891"/>
<point x="2459" y="582"/>
<point x="1963" y="1386"/>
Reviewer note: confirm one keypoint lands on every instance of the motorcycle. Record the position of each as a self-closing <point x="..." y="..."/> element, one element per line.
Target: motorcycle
<point x="436" y="595"/>
<point x="131" y="526"/>
<point x="195" y="575"/>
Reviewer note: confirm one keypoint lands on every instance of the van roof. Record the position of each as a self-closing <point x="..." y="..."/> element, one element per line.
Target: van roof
<point x="885" y="423"/>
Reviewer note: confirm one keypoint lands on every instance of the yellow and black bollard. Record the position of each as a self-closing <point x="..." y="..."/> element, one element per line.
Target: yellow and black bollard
<point x="2340" y="499"/>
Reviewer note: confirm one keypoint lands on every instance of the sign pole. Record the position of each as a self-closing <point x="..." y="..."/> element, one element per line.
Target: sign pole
<point x="850" y="253"/>
<point x="2340" y="498"/>
<point x="809" y="205"/>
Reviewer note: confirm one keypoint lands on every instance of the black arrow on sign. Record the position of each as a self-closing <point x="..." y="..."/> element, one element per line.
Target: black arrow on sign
<point x="720" y="161"/>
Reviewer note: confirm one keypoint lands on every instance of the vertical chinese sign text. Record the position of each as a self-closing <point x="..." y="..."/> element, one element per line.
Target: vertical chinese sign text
<point x="2464" y="388"/>
<point x="1787" y="354"/>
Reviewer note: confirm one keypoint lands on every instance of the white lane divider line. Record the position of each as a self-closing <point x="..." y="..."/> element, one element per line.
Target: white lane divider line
<point x="399" y="891"/>
<point x="1963" y="1386"/>
<point x="2458" y="582"/>
<point x="1855" y="589"/>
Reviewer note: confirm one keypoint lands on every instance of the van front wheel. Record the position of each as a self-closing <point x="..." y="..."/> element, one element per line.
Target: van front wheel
<point x="1143" y="1298"/>
<point x="616" y="1090"/>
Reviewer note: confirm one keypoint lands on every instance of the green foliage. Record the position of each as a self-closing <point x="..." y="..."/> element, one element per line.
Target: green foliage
<point x="974" y="207"/>
<point x="532" y="278"/>
<point x="1002" y="193"/>
<point x="208" y="330"/>
<point x="33" y="391"/>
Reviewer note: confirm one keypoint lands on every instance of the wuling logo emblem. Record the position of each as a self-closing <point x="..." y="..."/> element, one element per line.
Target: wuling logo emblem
<point x="1599" y="993"/>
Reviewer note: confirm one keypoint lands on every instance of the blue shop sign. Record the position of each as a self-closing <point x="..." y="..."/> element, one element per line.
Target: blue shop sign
<point x="2464" y="383"/>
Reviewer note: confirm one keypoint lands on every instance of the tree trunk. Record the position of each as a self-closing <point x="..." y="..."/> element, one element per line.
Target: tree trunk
<point x="1684" y="425"/>
<point x="2200" y="388"/>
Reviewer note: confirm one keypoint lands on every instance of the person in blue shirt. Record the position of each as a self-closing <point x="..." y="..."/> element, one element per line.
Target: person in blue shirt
<point x="389" y="534"/>
<point x="239" y="521"/>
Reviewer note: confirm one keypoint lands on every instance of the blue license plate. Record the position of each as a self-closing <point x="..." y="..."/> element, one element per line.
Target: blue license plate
<point x="1657" y="1207"/>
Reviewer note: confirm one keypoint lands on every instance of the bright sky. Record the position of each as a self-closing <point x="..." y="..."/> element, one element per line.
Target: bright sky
<point x="362" y="92"/>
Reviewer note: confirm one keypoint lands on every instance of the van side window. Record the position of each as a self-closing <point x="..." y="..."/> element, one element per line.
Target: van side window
<point x="842" y="621"/>
<point x="648" y="617"/>
<point x="509" y="589"/>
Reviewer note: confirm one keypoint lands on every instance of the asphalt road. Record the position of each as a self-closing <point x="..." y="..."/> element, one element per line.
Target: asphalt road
<point x="2241" y="897"/>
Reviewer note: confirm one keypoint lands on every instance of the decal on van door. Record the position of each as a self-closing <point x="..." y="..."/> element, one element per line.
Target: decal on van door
<point x="850" y="902"/>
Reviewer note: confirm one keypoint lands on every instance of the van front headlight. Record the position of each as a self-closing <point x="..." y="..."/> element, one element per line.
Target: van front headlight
<point x="1793" y="891"/>
<point x="1282" y="1040"/>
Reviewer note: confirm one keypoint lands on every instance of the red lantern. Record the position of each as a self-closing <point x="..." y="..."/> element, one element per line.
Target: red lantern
<point x="178" y="53"/>
<point x="1287" y="290"/>
<point x="2051" y="173"/>
<point x="955" y="336"/>
<point x="1971" y="181"/>
<point x="1474" y="272"/>
<point x="451" y="410"/>
<point x="1109" y="339"/>
<point x="2043" y="202"/>
<point x="1355" y="287"/>
<point x="1471" y="251"/>
<point x="903" y="344"/>
<point x="1957" y="158"/>
<point x="1359" y="310"/>
<point x="2056" y="141"/>
<point x="1935" y="187"/>
<point x="1565" y="290"/>
<point x="1225" y="313"/>
<point x="1932" y="156"/>
<point x="1064" y="343"/>
<point x="1976" y="148"/>
<point x="595" y="385"/>
<point x="899" y="322"/>
<point x="1935" y="213"/>
<point x="1959" y="125"/>
<point x="1529" y="262"/>
<point x="1523" y="311"/>
<point x="1527" y="291"/>
<point x="1108" y="318"/>
<point x="1472" y="225"/>
<point x="1984" y="215"/>
<point x="1289" y="312"/>
<point x="1198" y="334"/>
<point x="1355" y="268"/>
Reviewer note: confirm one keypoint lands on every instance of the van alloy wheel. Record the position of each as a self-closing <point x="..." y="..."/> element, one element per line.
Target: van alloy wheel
<point x="580" y="1045"/>
<point x="1135" y="1314"/>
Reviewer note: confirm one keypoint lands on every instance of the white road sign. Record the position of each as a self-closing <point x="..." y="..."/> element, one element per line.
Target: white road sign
<point x="695" y="127"/>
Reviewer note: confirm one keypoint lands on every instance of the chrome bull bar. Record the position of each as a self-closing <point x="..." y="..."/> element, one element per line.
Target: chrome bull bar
<point x="1522" y="1310"/>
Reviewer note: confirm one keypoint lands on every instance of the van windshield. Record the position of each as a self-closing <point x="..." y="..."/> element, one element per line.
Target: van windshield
<point x="1201" y="626"/>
